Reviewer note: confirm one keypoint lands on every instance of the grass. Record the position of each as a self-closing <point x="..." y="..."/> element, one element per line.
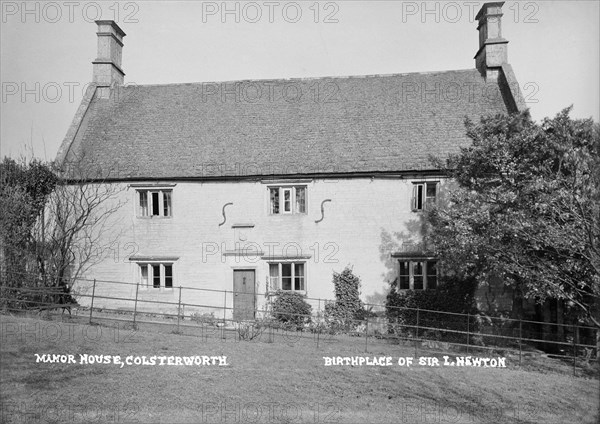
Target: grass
<point x="284" y="381"/>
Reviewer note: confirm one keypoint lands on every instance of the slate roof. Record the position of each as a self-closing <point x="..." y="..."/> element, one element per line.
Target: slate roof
<point x="369" y="124"/>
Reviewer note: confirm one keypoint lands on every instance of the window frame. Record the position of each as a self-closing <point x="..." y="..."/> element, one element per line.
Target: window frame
<point x="276" y="282"/>
<point x="294" y="204"/>
<point x="421" y="201"/>
<point x="150" y="282"/>
<point x="165" y="202"/>
<point x="286" y="201"/>
<point x="429" y="281"/>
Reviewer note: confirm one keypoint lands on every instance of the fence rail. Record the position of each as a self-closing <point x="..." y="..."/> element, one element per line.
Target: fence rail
<point x="435" y="331"/>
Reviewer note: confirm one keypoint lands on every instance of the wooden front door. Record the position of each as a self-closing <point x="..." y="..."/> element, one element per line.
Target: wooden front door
<point x="244" y="294"/>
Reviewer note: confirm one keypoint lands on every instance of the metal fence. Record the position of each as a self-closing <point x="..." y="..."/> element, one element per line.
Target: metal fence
<point x="209" y="312"/>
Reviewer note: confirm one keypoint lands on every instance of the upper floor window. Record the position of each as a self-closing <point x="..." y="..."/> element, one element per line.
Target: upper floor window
<point x="287" y="200"/>
<point x="155" y="202"/>
<point x="417" y="274"/>
<point x="287" y="276"/>
<point x="424" y="195"/>
<point x="156" y="275"/>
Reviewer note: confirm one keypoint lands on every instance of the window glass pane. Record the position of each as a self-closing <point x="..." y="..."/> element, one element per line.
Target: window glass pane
<point x="419" y="197"/>
<point x="274" y="276"/>
<point x="169" y="275"/>
<point x="418" y="282"/>
<point x="418" y="275"/>
<point x="298" y="276"/>
<point x="287" y="200"/>
<point x="301" y="199"/>
<point x="431" y="189"/>
<point x="144" y="274"/>
<point x="143" y="203"/>
<point x="167" y="203"/>
<point x="431" y="275"/>
<point x="274" y="195"/>
<point x="155" y="205"/>
<point x="299" y="270"/>
<point x="156" y="276"/>
<point x="430" y="195"/>
<point x="286" y="276"/>
<point x="414" y="198"/>
<point x="404" y="276"/>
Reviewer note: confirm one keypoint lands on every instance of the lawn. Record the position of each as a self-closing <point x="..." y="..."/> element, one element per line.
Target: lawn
<point x="284" y="381"/>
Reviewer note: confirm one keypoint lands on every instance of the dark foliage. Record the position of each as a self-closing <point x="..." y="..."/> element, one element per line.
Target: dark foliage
<point x="291" y="309"/>
<point x="526" y="209"/>
<point x="453" y="296"/>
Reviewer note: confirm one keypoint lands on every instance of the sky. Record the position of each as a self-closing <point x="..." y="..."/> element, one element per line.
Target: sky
<point x="47" y="49"/>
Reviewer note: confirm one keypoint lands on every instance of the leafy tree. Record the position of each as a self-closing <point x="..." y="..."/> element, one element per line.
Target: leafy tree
<point x="526" y="208"/>
<point x="24" y="189"/>
<point x="52" y="224"/>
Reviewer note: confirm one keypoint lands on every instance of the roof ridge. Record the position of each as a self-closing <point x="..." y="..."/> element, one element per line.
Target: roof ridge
<point x="300" y="79"/>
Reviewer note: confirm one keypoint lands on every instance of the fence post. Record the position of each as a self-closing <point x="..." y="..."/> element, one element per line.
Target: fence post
<point x="575" y="332"/>
<point x="224" y="313"/>
<point x="367" y="336"/>
<point x="520" y="340"/>
<point x="179" y="309"/>
<point x="92" y="305"/>
<point x="417" y="336"/>
<point x="468" y="328"/>
<point x="224" y="306"/>
<point x="137" y="288"/>
<point x="318" y="334"/>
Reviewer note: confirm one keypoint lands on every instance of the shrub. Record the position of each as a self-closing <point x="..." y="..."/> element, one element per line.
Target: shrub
<point x="251" y="330"/>
<point x="363" y="314"/>
<point x="291" y="309"/>
<point x="205" y="318"/>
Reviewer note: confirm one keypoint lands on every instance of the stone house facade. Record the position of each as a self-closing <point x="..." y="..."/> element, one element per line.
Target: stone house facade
<point x="258" y="185"/>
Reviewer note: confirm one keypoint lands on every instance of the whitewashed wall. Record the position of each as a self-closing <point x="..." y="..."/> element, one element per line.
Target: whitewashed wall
<point x="360" y="212"/>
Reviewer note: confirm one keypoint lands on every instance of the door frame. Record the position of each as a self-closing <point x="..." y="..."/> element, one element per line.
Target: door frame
<point x="243" y="269"/>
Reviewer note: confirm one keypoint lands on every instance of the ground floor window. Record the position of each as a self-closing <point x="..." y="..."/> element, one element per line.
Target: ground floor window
<point x="156" y="275"/>
<point x="417" y="274"/>
<point x="287" y="276"/>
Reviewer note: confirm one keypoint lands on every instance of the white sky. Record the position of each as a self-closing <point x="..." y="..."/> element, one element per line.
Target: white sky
<point x="554" y="50"/>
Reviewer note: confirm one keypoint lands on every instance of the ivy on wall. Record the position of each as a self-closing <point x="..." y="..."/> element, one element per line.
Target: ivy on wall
<point x="348" y="306"/>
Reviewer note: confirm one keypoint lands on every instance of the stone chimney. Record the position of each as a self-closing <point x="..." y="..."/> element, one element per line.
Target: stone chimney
<point x="107" y="66"/>
<point x="492" y="53"/>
